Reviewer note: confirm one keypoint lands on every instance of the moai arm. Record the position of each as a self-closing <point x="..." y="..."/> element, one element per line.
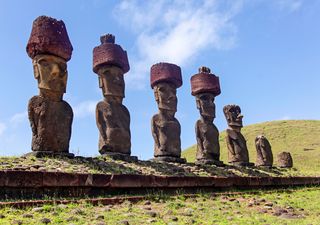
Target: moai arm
<point x="230" y="145"/>
<point x="154" y="131"/>
<point x="32" y="118"/>
<point x="199" y="137"/>
<point x="101" y="123"/>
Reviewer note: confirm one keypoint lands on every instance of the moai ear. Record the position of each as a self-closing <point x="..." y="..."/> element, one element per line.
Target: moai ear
<point x="156" y="94"/>
<point x="198" y="103"/>
<point x="36" y="72"/>
<point x="100" y="82"/>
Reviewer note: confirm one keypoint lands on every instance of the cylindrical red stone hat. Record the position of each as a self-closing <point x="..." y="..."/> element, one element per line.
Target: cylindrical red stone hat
<point x="49" y="36"/>
<point x="109" y="53"/>
<point x="205" y="82"/>
<point x="165" y="72"/>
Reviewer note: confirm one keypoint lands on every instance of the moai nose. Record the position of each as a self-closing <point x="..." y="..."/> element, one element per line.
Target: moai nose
<point x="55" y="70"/>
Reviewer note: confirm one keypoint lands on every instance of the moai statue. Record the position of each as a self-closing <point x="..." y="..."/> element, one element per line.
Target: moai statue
<point x="50" y="116"/>
<point x="110" y="62"/>
<point x="205" y="87"/>
<point x="285" y="160"/>
<point x="165" y="79"/>
<point x="237" y="147"/>
<point x="264" y="152"/>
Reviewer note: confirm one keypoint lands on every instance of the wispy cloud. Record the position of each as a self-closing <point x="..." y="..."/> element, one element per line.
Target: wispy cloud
<point x="290" y="5"/>
<point x="175" y="31"/>
<point x="3" y="127"/>
<point x="286" y="118"/>
<point x="18" y="118"/>
<point x="84" y="109"/>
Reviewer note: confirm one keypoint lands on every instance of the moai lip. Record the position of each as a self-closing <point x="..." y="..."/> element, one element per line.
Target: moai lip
<point x="264" y="152"/>
<point x="110" y="62"/>
<point x="165" y="78"/>
<point x="238" y="154"/>
<point x="205" y="87"/>
<point x="50" y="116"/>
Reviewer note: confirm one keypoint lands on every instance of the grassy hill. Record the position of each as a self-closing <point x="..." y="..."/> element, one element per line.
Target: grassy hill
<point x="300" y="137"/>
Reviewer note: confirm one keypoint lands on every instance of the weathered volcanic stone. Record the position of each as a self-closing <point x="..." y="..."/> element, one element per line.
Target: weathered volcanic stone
<point x="49" y="36"/>
<point x="166" y="72"/>
<point x="110" y="62"/>
<point x="238" y="154"/>
<point x="205" y="87"/>
<point x="264" y="152"/>
<point x="109" y="53"/>
<point x="285" y="160"/>
<point x="50" y="117"/>
<point x="166" y="130"/>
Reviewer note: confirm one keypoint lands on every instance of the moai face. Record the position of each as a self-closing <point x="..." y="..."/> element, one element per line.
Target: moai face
<point x="111" y="82"/>
<point x="51" y="73"/>
<point x="166" y="96"/>
<point x="233" y="115"/>
<point x="205" y="103"/>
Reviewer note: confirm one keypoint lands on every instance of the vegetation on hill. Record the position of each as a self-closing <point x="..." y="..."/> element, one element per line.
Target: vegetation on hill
<point x="300" y="137"/>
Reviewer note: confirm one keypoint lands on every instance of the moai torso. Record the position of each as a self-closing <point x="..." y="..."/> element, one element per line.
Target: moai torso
<point x="51" y="124"/>
<point x="208" y="146"/>
<point x="264" y="152"/>
<point x="113" y="121"/>
<point x="237" y="147"/>
<point x="166" y="134"/>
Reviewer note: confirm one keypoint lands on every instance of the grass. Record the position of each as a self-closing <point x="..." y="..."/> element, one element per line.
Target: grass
<point x="300" y="137"/>
<point x="295" y="206"/>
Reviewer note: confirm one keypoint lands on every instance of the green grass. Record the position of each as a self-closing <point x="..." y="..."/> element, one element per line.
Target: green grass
<point x="300" y="137"/>
<point x="297" y="205"/>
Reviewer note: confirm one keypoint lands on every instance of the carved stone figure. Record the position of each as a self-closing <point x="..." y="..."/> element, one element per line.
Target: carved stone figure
<point x="50" y="116"/>
<point x="110" y="62"/>
<point x="264" y="152"/>
<point x="237" y="147"/>
<point x="165" y="79"/>
<point x="205" y="87"/>
<point x="285" y="160"/>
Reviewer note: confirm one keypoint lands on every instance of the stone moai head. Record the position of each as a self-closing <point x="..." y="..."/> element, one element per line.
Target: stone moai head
<point x="110" y="62"/>
<point x="50" y="49"/>
<point x="165" y="79"/>
<point x="233" y="116"/>
<point x="205" y="86"/>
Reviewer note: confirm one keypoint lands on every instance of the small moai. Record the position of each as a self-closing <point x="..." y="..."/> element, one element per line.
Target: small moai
<point x="264" y="152"/>
<point x="238" y="154"/>
<point x="205" y="86"/>
<point x="165" y="79"/>
<point x="50" y="116"/>
<point x="110" y="62"/>
<point x="285" y="160"/>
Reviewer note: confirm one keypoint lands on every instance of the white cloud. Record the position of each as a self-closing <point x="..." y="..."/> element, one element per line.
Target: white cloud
<point x="84" y="109"/>
<point x="286" y="118"/>
<point x="175" y="31"/>
<point x="18" y="118"/>
<point x="3" y="127"/>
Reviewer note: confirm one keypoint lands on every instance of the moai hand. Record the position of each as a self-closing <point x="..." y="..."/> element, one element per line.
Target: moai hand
<point x="237" y="147"/>
<point x="110" y="62"/>
<point x="50" y="117"/>
<point x="166" y="130"/>
<point x="205" y="87"/>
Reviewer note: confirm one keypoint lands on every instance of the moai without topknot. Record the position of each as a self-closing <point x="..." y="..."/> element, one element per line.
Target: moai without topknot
<point x="205" y="86"/>
<point x="110" y="62"/>
<point x="264" y="152"/>
<point x="285" y="160"/>
<point x="50" y="116"/>
<point x="238" y="154"/>
<point x="165" y="79"/>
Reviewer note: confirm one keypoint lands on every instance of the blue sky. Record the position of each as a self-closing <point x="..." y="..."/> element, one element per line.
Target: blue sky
<point x="266" y="53"/>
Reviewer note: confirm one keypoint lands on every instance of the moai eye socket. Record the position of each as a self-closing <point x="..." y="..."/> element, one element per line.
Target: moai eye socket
<point x="43" y="62"/>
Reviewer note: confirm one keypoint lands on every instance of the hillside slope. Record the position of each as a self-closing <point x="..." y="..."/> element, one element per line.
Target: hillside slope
<point x="300" y="137"/>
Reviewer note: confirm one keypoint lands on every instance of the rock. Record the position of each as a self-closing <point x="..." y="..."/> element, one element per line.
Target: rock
<point x="72" y="218"/>
<point x="100" y="217"/>
<point x="78" y="212"/>
<point x="270" y="204"/>
<point x="124" y="222"/>
<point x="147" y="208"/>
<point x="18" y="222"/>
<point x="2" y="216"/>
<point x="152" y="220"/>
<point x="37" y="209"/>
<point x="174" y="218"/>
<point x="27" y="215"/>
<point x="147" y="202"/>
<point x="45" y="220"/>
<point x="151" y="213"/>
<point x="188" y="212"/>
